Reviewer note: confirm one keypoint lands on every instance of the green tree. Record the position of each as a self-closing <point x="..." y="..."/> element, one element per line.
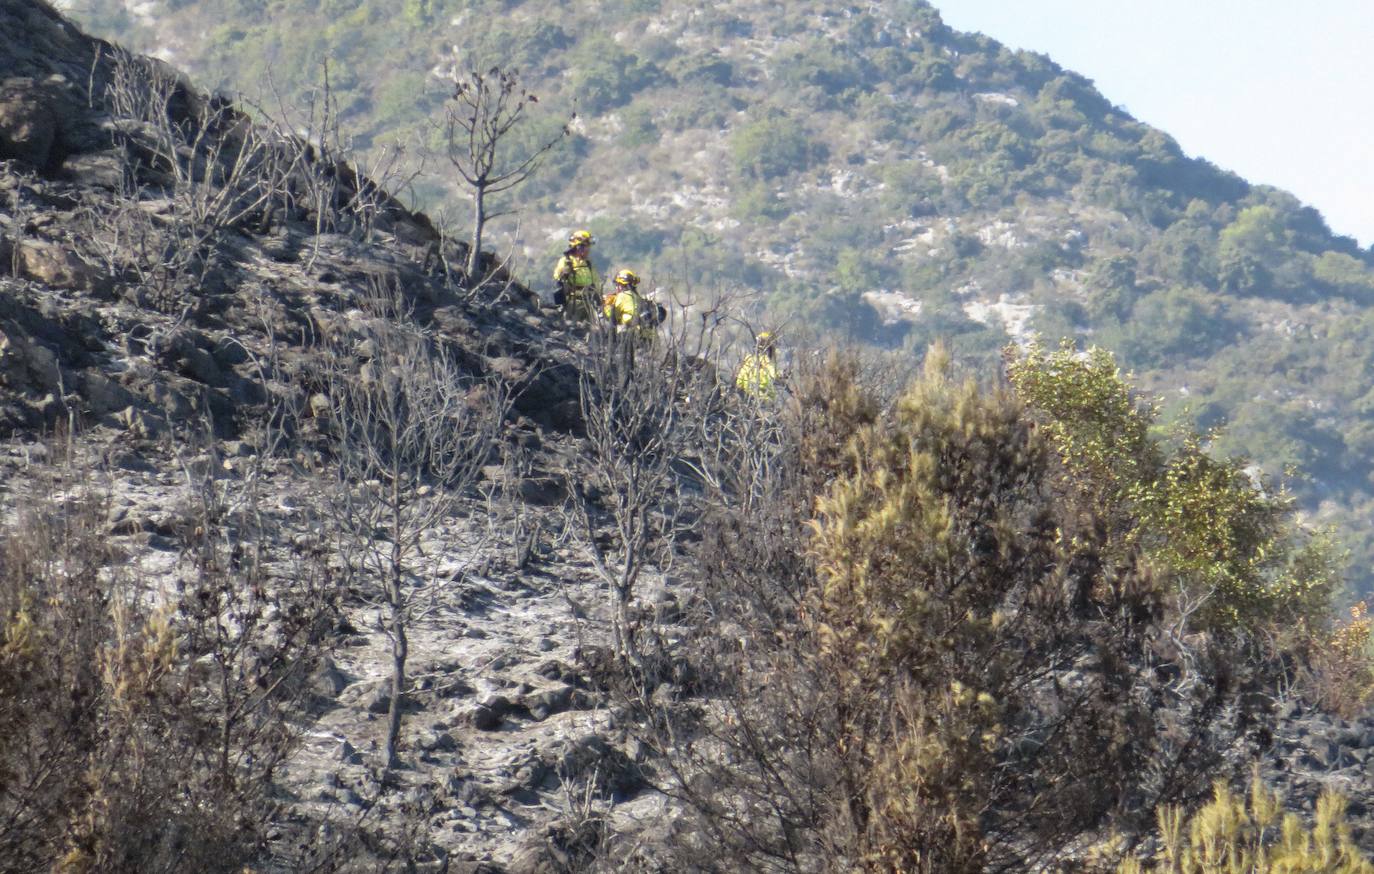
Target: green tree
<point x="1172" y="324"/>
<point x="1247" y="248"/>
<point x="1345" y="274"/>
<point x="772" y="146"/>
<point x="1233" y="551"/>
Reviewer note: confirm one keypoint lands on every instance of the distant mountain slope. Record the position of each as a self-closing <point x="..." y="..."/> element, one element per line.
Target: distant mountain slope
<point x="873" y="172"/>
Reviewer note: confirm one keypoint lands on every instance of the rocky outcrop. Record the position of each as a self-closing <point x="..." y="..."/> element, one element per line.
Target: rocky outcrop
<point x="47" y="68"/>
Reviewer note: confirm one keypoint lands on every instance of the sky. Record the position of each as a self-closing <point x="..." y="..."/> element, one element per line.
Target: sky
<point x="1278" y="91"/>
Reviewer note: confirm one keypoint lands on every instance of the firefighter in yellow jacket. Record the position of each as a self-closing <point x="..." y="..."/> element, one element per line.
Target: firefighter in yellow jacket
<point x="576" y="278"/>
<point x="629" y="311"/>
<point x="757" y="376"/>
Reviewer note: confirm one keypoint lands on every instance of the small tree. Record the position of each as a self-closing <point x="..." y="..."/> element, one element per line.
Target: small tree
<point x="411" y="432"/>
<point x="643" y="406"/>
<point x="1233" y="552"/>
<point x="480" y="115"/>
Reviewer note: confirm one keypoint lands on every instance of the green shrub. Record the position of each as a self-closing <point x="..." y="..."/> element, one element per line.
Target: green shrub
<point x="772" y="146"/>
<point x="1233" y="552"/>
<point x="1172" y="325"/>
<point x="1345" y="275"/>
<point x="637" y="127"/>
<point x="941" y="553"/>
<point x="605" y="75"/>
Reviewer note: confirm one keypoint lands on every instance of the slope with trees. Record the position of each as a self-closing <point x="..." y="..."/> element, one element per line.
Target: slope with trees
<point x="871" y="172"/>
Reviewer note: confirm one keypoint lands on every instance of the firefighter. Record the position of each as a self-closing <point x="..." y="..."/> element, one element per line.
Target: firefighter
<point x="576" y="278"/>
<point x="629" y="311"/>
<point x="757" y="376"/>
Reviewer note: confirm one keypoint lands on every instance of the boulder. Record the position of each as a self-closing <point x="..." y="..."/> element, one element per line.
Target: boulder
<point x="614" y="774"/>
<point x="27" y="365"/>
<point x="56" y="266"/>
<point x="328" y="681"/>
<point x="103" y="395"/>
<point x="28" y="123"/>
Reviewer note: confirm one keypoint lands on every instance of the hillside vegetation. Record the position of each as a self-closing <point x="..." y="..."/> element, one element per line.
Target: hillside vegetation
<point x="317" y="554"/>
<point x="870" y="172"/>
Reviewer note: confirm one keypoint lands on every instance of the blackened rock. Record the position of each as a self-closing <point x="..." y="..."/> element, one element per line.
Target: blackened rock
<point x="439" y="741"/>
<point x="615" y="774"/>
<point x="542" y="705"/>
<point x="56" y="266"/>
<point x="380" y="702"/>
<point x="28" y="124"/>
<point x="553" y="669"/>
<point x="484" y="718"/>
<point x="328" y="681"/>
<point x="348" y="754"/>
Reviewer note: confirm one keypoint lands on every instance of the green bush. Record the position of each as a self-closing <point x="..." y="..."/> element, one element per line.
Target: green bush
<point x="1233" y="552"/>
<point x="942" y="554"/>
<point x="772" y="146"/>
<point x="637" y="127"/>
<point x="605" y="75"/>
<point x="820" y="64"/>
<point x="758" y="201"/>
<point x="1345" y="275"/>
<point x="1172" y="325"/>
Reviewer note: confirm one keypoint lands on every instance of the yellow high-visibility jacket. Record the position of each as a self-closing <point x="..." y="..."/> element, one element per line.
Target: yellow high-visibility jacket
<point x="631" y="313"/>
<point x="622" y="307"/>
<point x="575" y="274"/>
<point x="757" y="377"/>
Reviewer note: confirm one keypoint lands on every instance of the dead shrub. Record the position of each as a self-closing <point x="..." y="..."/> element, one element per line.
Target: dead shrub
<point x="1338" y="664"/>
<point x="140" y="729"/>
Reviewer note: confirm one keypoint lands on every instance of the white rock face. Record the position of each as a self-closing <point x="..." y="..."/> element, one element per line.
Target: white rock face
<point x="1014" y="316"/>
<point x="999" y="99"/>
<point x="894" y="306"/>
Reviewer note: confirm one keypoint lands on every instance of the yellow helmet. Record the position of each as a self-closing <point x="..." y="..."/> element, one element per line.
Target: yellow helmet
<point x="765" y="340"/>
<point x="627" y="279"/>
<point x="580" y="238"/>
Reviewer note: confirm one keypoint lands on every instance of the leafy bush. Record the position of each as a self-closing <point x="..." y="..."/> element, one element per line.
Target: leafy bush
<point x="821" y="65"/>
<point x="1174" y="324"/>
<point x="956" y="571"/>
<point x="758" y="201"/>
<point x="605" y="75"/>
<point x="1344" y="274"/>
<point x="637" y="127"/>
<point x="1112" y="282"/>
<point x="774" y="145"/>
<point x="1233" y="553"/>
<point x="711" y="68"/>
<point x="1247" y="249"/>
<point x="1341" y="665"/>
